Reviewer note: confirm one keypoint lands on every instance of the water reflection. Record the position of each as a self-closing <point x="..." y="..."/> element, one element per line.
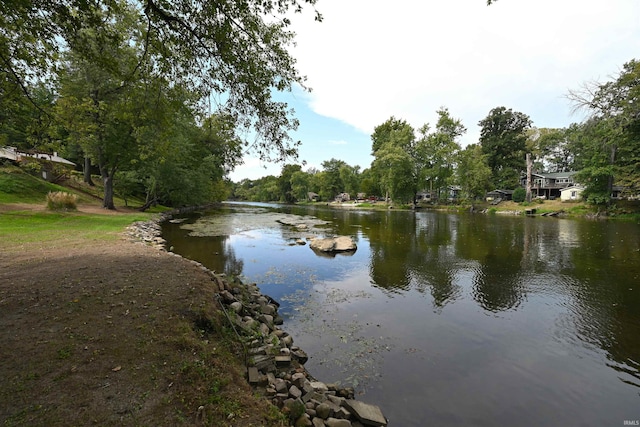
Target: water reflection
<point x="217" y="253"/>
<point x="605" y="309"/>
<point x="518" y="310"/>
<point x="391" y="237"/>
<point x="427" y="252"/>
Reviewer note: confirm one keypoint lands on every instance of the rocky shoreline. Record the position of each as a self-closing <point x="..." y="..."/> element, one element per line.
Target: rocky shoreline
<point x="275" y="366"/>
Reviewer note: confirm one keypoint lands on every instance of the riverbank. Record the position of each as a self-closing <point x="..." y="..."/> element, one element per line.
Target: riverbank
<point x="620" y="209"/>
<point x="98" y="328"/>
<point x="274" y="364"/>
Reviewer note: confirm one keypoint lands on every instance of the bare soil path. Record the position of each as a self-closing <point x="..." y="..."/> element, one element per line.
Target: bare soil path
<point x="116" y="333"/>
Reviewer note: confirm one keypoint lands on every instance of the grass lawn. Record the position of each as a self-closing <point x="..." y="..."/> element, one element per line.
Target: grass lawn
<point x="17" y="227"/>
<point x="97" y="330"/>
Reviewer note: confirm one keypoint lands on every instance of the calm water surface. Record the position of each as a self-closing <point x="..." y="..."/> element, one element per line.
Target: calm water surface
<point x="449" y="320"/>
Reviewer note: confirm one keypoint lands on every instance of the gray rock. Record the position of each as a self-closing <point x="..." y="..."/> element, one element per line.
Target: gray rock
<point x="304" y="421"/>
<point x="282" y="361"/>
<point x="319" y="387"/>
<point x="287" y="340"/>
<point x="318" y="422"/>
<point x="347" y="392"/>
<point x="250" y="323"/>
<point x="264" y="363"/>
<point x="281" y="386"/>
<point x="254" y="375"/>
<point x="334" y="399"/>
<point x="268" y="309"/>
<point x="264" y="329"/>
<point x="342" y="414"/>
<point x="298" y="379"/>
<point x="306" y="386"/>
<point x="236" y="306"/>
<point x="300" y="355"/>
<point x="271" y="378"/>
<point x="295" y="392"/>
<point x="262" y="350"/>
<point x="333" y="244"/>
<point x="313" y="396"/>
<point x="369" y="415"/>
<point x="334" y="422"/>
<point x="324" y="410"/>
<point x="227" y="297"/>
<point x="267" y="319"/>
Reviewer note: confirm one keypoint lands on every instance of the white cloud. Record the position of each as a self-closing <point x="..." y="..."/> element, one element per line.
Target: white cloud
<point x="369" y="60"/>
<point x="254" y="168"/>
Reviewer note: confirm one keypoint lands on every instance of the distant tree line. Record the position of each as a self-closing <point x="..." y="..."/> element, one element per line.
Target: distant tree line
<point x="604" y="150"/>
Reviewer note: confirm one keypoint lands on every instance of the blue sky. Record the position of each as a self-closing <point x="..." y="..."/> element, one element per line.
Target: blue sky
<point x="322" y="138"/>
<point x="373" y="59"/>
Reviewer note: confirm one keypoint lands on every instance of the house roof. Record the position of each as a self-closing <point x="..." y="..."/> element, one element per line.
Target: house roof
<point x="8" y="153"/>
<point x="555" y="175"/>
<point x="573" y="187"/>
<point x="501" y="191"/>
<point x="14" y="154"/>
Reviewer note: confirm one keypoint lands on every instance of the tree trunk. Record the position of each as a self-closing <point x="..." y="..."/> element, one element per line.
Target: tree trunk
<point x="612" y="160"/>
<point x="148" y="204"/>
<point x="87" y="171"/>
<point x="431" y="191"/>
<point x="107" y="180"/>
<point x="529" y="166"/>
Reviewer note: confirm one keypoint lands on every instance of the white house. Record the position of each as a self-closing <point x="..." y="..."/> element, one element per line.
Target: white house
<point x="46" y="160"/>
<point x="573" y="192"/>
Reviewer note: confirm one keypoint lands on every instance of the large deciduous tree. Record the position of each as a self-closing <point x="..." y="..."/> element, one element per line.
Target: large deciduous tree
<point x="552" y="149"/>
<point x="300" y="185"/>
<point x="331" y="182"/>
<point x="612" y="146"/>
<point x="284" y="183"/>
<point x="503" y="140"/>
<point x="394" y="149"/>
<point x="473" y="173"/>
<point x="436" y="151"/>
<point x="405" y="164"/>
<point x="104" y="109"/>
<point x="397" y="129"/>
<point x="237" y="50"/>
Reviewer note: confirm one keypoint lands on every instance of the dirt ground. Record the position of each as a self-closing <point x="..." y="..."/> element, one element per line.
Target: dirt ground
<point x="116" y="334"/>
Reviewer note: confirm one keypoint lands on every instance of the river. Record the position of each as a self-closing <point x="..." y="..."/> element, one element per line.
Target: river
<point x="448" y="319"/>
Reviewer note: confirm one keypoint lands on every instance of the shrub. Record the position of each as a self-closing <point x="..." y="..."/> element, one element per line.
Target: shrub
<point x="519" y="195"/>
<point x="60" y="200"/>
